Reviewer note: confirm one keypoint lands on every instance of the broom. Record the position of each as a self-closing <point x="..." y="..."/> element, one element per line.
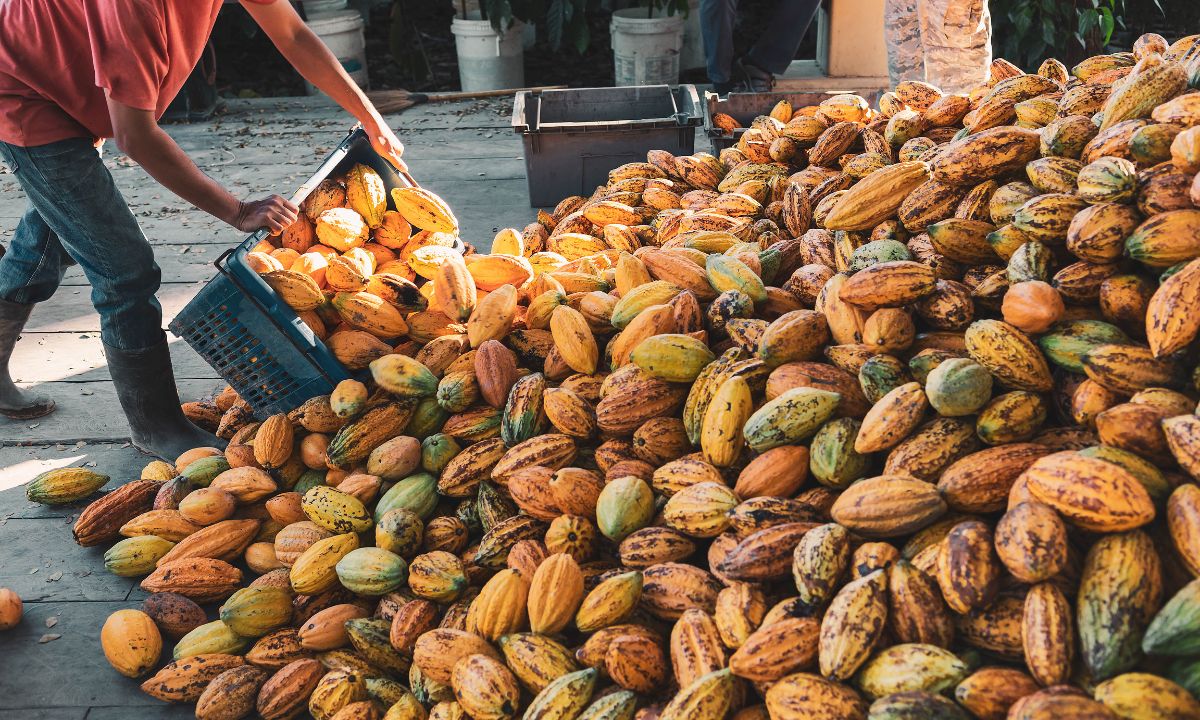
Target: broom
<point x="389" y="102"/>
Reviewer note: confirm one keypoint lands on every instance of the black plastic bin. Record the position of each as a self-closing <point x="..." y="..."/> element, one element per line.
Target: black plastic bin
<point x="744" y="107"/>
<point x="245" y="331"/>
<point x="574" y="137"/>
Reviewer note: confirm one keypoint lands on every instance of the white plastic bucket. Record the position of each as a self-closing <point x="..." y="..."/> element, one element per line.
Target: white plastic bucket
<point x="692" y="56"/>
<point x="342" y="33"/>
<point x="646" y="49"/>
<point x="488" y="60"/>
<point x="322" y="7"/>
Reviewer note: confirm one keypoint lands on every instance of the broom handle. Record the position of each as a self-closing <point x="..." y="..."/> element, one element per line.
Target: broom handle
<point x="447" y="97"/>
<point x="385" y="95"/>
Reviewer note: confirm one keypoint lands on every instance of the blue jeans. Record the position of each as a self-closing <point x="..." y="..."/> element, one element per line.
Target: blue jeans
<point x="76" y="214"/>
<point x="775" y="48"/>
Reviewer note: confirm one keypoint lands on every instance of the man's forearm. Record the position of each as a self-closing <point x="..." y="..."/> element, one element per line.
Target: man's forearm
<point x="158" y="154"/>
<point x="313" y="60"/>
<point x="309" y="56"/>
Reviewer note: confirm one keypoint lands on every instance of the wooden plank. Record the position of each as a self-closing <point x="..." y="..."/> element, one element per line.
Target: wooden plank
<point x="70" y="310"/>
<point x="94" y="417"/>
<point x="288" y="112"/>
<point x="42" y="563"/>
<point x="79" y="713"/>
<point x="421" y="145"/>
<point x="161" y="712"/>
<point x="179" y="263"/>
<point x="69" y="672"/>
<point x="18" y="465"/>
<point x="79" y="358"/>
<point x="473" y="178"/>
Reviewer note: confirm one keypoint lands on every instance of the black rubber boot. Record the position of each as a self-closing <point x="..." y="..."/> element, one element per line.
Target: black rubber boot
<point x="16" y="403"/>
<point x="145" y="386"/>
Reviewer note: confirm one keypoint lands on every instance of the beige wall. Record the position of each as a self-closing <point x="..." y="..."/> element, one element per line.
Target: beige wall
<point x="850" y="39"/>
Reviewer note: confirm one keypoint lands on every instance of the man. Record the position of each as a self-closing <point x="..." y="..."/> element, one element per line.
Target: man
<point x="770" y="56"/>
<point x="946" y="43"/>
<point x="73" y="72"/>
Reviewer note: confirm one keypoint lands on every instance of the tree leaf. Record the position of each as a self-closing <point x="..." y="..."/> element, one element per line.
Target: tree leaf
<point x="557" y="15"/>
<point x="1107" y="24"/>
<point x="1088" y="21"/>
<point x="580" y="35"/>
<point x="1049" y="32"/>
<point x="1022" y="20"/>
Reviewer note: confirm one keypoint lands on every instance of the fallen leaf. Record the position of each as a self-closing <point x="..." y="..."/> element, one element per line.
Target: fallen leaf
<point x="51" y="621"/>
<point x="48" y="637"/>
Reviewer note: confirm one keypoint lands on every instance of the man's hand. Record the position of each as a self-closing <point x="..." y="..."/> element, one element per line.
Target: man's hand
<point x="273" y="213"/>
<point x="385" y="142"/>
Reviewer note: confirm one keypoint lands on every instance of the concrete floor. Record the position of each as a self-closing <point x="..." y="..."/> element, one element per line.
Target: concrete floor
<point x="51" y="665"/>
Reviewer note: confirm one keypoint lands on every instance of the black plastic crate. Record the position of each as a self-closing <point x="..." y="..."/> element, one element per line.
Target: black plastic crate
<point x="744" y="107"/>
<point x="573" y="138"/>
<point x="245" y="331"/>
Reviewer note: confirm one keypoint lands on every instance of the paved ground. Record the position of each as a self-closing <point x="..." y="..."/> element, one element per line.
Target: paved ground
<point x="51" y="666"/>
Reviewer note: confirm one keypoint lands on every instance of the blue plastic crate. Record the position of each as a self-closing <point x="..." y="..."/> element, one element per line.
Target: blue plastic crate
<point x="274" y="365"/>
<point x="245" y="331"/>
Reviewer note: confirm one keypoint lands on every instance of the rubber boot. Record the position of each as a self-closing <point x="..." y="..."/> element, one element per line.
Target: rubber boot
<point x="145" y="385"/>
<point x="15" y="403"/>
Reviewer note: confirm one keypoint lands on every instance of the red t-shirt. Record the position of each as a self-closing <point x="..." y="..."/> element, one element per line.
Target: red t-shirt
<point x="57" y="58"/>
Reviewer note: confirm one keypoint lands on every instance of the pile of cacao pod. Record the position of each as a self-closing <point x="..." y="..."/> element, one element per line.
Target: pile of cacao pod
<point x="348" y="266"/>
<point x="885" y="413"/>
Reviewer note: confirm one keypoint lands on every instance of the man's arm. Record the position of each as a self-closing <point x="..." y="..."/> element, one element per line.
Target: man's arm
<point x="140" y="137"/>
<point x="305" y="51"/>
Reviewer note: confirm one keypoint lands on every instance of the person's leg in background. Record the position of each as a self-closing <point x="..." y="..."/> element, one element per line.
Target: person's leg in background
<point x="716" y="26"/>
<point x="31" y="269"/>
<point x="902" y="35"/>
<point x="957" y="38"/>
<point x="74" y="193"/>
<point x="776" y="47"/>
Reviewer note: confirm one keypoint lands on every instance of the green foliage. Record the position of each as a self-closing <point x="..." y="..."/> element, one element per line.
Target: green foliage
<point x="1028" y="31"/>
<point x="564" y="21"/>
<point x="671" y="7"/>
<point x="499" y="12"/>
